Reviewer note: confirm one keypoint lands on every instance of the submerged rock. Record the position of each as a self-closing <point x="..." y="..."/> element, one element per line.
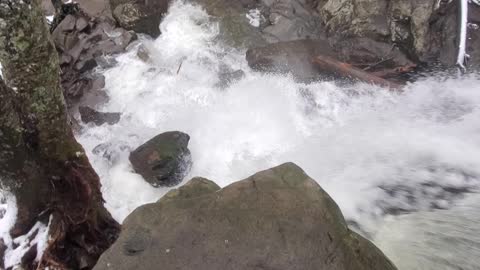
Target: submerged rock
<point x="89" y="115"/>
<point x="276" y="219"/>
<point x="164" y="160"/>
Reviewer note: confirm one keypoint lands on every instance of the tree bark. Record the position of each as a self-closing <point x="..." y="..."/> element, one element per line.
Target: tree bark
<point x="41" y="163"/>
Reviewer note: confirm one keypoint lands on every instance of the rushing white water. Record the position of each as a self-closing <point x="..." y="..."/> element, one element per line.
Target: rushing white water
<point x="374" y="151"/>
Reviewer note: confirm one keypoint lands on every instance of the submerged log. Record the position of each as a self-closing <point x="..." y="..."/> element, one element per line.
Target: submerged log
<point x="41" y="163"/>
<point x="330" y="65"/>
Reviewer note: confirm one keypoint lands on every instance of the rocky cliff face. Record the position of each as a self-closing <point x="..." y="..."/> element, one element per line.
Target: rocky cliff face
<point x="427" y="31"/>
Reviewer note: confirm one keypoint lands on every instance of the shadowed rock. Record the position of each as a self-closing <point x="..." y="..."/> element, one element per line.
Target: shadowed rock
<point x="164" y="160"/>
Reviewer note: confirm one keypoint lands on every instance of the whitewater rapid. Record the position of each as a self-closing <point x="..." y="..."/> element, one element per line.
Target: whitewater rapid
<point x="375" y="152"/>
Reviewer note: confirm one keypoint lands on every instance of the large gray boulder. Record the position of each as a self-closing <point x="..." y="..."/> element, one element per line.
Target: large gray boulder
<point x="164" y="160"/>
<point x="276" y="219"/>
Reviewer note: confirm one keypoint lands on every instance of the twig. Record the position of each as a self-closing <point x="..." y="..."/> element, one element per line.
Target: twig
<point x="179" y="66"/>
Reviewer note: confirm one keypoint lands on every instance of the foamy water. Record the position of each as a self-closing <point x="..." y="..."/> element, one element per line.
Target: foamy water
<point x="375" y="152"/>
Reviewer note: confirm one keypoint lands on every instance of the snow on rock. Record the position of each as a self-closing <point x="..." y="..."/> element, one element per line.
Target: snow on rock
<point x="254" y="17"/>
<point x="17" y="247"/>
<point x="50" y="18"/>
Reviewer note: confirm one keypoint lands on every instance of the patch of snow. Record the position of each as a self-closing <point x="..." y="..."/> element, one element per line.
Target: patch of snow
<point x="50" y="18"/>
<point x="17" y="247"/>
<point x="254" y="17"/>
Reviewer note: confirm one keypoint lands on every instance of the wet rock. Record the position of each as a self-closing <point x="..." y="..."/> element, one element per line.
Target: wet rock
<point x="291" y="20"/>
<point x="424" y="31"/>
<point x="370" y="54"/>
<point x="294" y="57"/>
<point x="111" y="151"/>
<point x="163" y="160"/>
<point x="140" y="16"/>
<point x="83" y="43"/>
<point x="234" y="26"/>
<point x="228" y="77"/>
<point x="276" y="219"/>
<point x="143" y="54"/>
<point x="89" y="115"/>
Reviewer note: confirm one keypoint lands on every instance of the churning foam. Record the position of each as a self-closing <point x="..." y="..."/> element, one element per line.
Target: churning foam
<point x="374" y="151"/>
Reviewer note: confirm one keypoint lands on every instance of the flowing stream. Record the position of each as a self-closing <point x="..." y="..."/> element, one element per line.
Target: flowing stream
<point x="377" y="153"/>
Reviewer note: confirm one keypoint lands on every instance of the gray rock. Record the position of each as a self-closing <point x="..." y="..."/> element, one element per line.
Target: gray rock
<point x="228" y="77"/>
<point x="425" y="31"/>
<point x="291" y="20"/>
<point x="140" y="16"/>
<point x="293" y="57"/>
<point x="83" y="44"/>
<point x="276" y="219"/>
<point x="81" y="24"/>
<point x="163" y="160"/>
<point x="89" y="115"/>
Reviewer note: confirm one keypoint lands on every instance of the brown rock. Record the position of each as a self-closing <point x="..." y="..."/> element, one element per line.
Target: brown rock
<point x="163" y="160"/>
<point x="276" y="219"/>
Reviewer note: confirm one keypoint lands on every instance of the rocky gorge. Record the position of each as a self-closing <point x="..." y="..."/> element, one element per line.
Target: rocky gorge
<point x="278" y="218"/>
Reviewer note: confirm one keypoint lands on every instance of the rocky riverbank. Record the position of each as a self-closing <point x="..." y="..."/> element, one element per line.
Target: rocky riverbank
<point x="279" y="218"/>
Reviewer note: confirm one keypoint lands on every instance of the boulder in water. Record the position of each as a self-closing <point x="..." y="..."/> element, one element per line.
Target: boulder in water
<point x="276" y="219"/>
<point x="164" y="160"/>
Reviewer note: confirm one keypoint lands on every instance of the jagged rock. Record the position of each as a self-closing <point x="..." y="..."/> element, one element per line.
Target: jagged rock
<point x="276" y="219"/>
<point x="140" y="16"/>
<point x="163" y="160"/>
<point x="425" y="31"/>
<point x="89" y="115"/>
<point x="83" y="43"/>
<point x="291" y="20"/>
<point x="369" y="53"/>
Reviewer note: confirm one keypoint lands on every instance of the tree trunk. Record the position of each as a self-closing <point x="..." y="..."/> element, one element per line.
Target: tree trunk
<point x="41" y="163"/>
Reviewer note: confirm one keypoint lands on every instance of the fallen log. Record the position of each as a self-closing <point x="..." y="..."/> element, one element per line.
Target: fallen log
<point x="330" y="65"/>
